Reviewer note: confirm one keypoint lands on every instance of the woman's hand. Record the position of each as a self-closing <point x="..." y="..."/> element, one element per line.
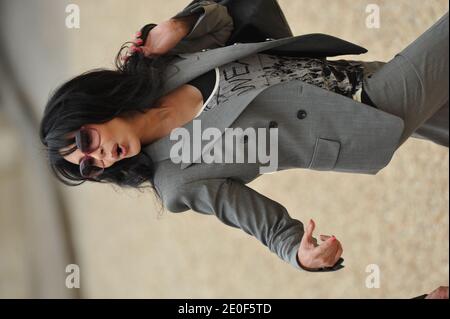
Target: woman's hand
<point x="313" y="257"/>
<point x="164" y="37"/>
<point x="438" y="293"/>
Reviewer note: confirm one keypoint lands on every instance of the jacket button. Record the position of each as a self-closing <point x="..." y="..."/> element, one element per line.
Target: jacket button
<point x="236" y="43"/>
<point x="301" y="114"/>
<point x="204" y="50"/>
<point x="269" y="39"/>
<point x="273" y="124"/>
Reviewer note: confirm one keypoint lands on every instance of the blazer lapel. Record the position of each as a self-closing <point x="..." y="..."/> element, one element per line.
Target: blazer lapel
<point x="219" y="118"/>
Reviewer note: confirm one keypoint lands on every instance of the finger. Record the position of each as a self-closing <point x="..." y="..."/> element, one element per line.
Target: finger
<point x="328" y="247"/>
<point x="139" y="41"/>
<point x="135" y="49"/>
<point x="329" y="255"/>
<point x="338" y="255"/>
<point x="137" y="35"/>
<point x="324" y="237"/>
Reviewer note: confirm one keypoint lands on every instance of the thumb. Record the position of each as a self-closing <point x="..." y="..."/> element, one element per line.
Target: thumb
<point x="310" y="229"/>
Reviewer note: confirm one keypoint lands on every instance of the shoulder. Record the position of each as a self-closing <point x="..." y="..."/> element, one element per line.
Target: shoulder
<point x="172" y="184"/>
<point x="178" y="196"/>
<point x="196" y="194"/>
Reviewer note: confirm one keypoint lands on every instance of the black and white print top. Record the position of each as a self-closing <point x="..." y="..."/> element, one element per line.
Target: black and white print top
<point x="254" y="71"/>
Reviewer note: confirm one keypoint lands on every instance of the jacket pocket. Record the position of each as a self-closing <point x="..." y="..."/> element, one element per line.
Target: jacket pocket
<point x="325" y="154"/>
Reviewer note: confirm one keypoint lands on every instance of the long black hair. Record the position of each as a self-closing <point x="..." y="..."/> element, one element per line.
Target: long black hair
<point x="97" y="96"/>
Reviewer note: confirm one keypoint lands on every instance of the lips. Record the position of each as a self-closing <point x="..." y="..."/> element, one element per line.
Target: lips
<point x="119" y="148"/>
<point x="115" y="151"/>
<point x="124" y="151"/>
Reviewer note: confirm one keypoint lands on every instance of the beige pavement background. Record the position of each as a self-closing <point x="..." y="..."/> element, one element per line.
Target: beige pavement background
<point x="398" y="219"/>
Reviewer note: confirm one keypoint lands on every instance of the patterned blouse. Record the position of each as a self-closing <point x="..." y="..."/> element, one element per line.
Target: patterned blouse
<point x="257" y="70"/>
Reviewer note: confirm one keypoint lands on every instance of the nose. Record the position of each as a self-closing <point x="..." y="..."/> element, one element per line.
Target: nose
<point x="100" y="154"/>
<point x="104" y="154"/>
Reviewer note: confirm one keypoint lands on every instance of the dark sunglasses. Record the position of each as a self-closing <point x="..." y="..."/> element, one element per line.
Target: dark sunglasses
<point x="88" y="141"/>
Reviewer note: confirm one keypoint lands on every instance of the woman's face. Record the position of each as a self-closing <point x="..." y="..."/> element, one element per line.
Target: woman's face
<point x="117" y="131"/>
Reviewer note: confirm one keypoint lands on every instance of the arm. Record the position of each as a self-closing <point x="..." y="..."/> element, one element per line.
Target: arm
<point x="239" y="206"/>
<point x="201" y="25"/>
<point x="210" y="26"/>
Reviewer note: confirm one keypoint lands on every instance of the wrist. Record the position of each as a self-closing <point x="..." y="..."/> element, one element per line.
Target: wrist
<point x="302" y="265"/>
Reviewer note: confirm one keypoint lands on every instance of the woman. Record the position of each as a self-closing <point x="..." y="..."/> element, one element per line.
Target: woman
<point x="114" y="126"/>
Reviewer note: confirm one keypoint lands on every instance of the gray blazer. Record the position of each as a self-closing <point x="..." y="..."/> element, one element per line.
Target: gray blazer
<point x="317" y="129"/>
